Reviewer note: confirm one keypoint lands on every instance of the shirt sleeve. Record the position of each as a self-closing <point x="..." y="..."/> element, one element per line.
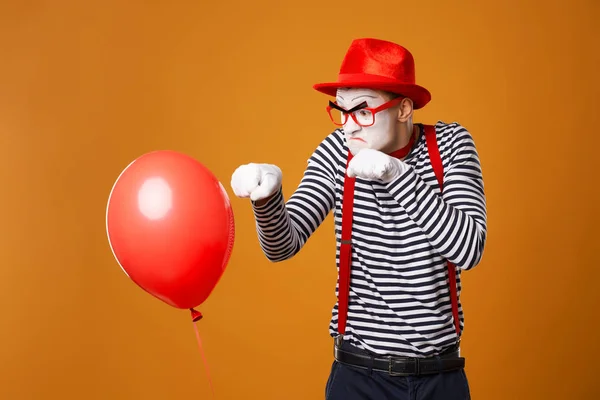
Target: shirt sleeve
<point x="456" y="222"/>
<point x="284" y="227"/>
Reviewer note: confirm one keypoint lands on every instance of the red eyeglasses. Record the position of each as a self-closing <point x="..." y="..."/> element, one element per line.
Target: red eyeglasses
<point x="361" y="114"/>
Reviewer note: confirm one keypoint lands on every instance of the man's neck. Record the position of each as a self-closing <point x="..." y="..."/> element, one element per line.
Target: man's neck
<point x="405" y="132"/>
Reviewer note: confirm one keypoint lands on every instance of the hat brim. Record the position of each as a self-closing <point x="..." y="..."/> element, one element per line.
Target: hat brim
<point x="418" y="94"/>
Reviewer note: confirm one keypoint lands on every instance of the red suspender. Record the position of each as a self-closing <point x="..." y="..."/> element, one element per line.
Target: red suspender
<point x="438" y="169"/>
<point x="346" y="246"/>
<point x="345" y="250"/>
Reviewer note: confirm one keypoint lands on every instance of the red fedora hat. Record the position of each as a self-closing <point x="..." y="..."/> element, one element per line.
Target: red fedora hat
<point x="379" y="65"/>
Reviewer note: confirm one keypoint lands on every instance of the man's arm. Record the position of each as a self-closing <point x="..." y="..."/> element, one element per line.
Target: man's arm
<point x="283" y="228"/>
<point x="456" y="222"/>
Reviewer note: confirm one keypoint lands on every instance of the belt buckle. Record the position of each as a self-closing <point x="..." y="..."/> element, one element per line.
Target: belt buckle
<point x="392" y="373"/>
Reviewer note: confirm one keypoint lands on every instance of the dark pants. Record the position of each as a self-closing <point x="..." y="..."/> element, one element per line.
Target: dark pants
<point x="355" y="383"/>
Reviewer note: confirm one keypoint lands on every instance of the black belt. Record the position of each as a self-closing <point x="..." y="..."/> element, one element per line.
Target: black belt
<point x="402" y="366"/>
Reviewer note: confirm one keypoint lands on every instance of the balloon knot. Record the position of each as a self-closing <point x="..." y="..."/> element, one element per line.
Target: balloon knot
<point x="196" y="315"/>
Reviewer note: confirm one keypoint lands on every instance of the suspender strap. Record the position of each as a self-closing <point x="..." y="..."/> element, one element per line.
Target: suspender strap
<point x="345" y="250"/>
<point x="438" y="169"/>
<point x="346" y="242"/>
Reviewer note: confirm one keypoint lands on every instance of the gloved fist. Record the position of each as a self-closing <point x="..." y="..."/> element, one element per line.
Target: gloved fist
<point x="375" y="165"/>
<point x="256" y="181"/>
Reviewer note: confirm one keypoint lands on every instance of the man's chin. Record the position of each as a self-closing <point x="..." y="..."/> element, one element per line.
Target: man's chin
<point x="356" y="146"/>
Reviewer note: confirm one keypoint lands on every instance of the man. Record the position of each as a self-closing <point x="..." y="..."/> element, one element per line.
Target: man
<point x="410" y="215"/>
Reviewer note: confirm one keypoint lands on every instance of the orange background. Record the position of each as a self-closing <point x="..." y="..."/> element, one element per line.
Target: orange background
<point x="86" y="87"/>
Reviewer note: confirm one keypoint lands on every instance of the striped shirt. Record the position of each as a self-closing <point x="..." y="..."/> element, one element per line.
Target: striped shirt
<point x="402" y="234"/>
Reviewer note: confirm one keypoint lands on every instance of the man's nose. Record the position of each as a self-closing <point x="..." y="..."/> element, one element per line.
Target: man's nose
<point x="350" y="127"/>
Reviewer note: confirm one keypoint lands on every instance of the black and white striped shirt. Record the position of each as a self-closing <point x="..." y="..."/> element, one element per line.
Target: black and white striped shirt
<point x="402" y="234"/>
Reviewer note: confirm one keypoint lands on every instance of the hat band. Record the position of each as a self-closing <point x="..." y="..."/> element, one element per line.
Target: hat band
<point x="369" y="78"/>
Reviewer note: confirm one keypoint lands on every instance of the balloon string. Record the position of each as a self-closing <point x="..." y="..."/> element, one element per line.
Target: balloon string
<point x="194" y="322"/>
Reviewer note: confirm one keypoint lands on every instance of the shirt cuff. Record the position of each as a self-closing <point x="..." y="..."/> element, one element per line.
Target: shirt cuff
<point x="276" y="198"/>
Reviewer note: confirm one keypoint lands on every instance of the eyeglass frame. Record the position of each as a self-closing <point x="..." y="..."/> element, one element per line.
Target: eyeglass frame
<point x="361" y="106"/>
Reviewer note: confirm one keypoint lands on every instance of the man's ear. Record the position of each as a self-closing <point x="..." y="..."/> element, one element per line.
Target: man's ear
<point x="405" y="109"/>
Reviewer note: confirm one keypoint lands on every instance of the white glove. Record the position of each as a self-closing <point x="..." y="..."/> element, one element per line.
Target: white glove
<point x="256" y="181"/>
<point x="375" y="165"/>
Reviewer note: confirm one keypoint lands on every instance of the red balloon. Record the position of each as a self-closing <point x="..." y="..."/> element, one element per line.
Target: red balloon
<point x="170" y="226"/>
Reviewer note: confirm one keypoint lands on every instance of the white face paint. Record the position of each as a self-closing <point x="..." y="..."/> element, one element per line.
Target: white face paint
<point x="377" y="136"/>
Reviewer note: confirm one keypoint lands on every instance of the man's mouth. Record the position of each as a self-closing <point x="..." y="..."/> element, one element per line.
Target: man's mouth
<point x="359" y="139"/>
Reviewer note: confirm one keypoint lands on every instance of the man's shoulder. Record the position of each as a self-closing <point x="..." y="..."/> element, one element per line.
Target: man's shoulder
<point x="450" y="128"/>
<point x="330" y="151"/>
<point x="334" y="144"/>
<point x="454" y="140"/>
<point x="334" y="138"/>
<point x="452" y="134"/>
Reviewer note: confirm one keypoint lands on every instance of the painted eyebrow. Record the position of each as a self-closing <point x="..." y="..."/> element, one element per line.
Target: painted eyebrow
<point x="355" y="108"/>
